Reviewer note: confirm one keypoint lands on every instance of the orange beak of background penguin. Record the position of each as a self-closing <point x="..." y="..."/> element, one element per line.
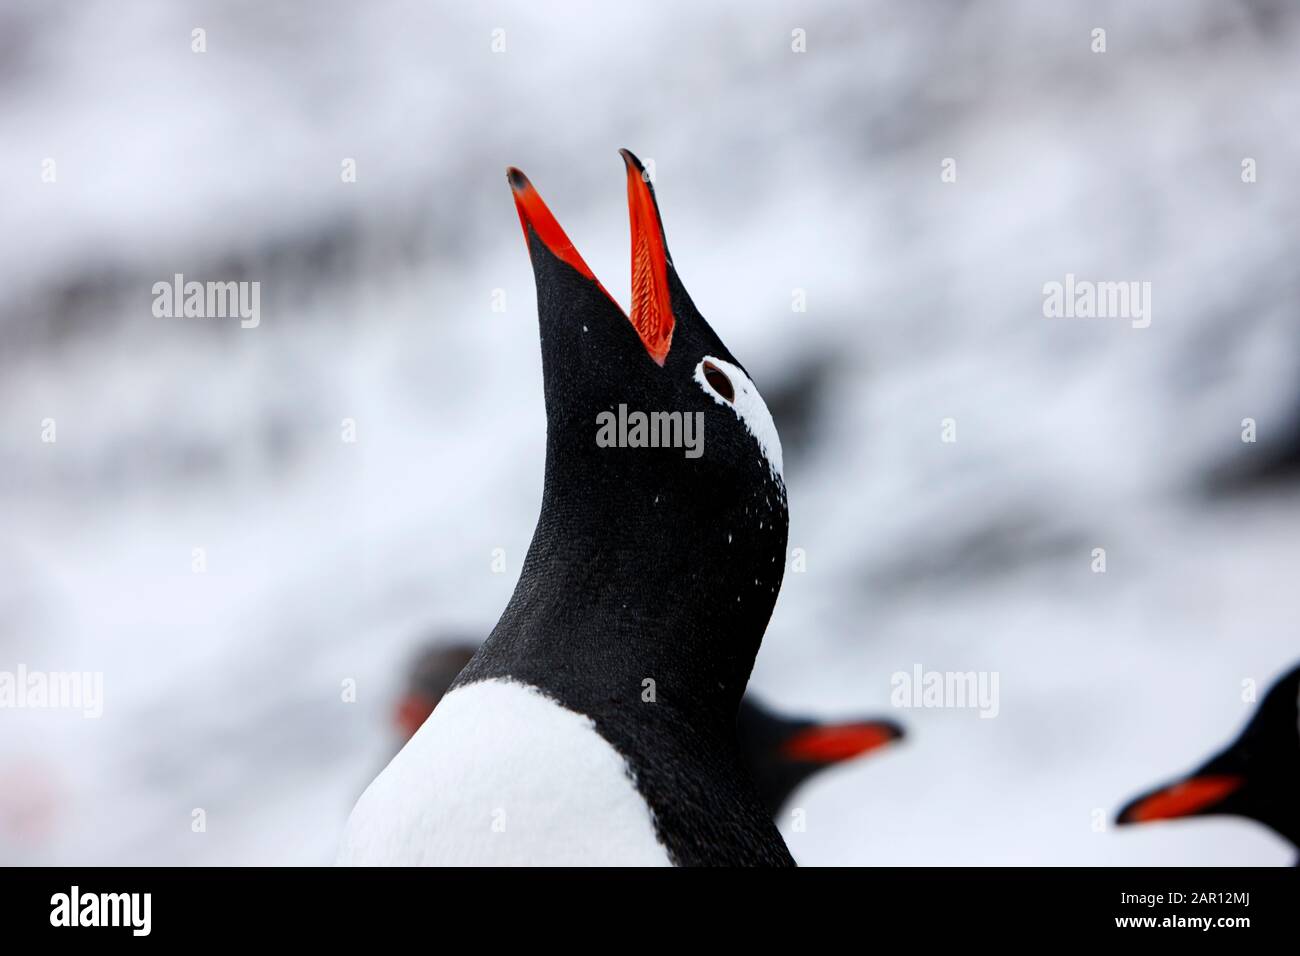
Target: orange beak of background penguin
<point x="833" y="743"/>
<point x="652" y="313"/>
<point x="1182" y="799"/>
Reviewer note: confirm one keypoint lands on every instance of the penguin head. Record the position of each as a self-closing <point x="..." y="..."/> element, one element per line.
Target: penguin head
<point x="663" y="480"/>
<point x="661" y="453"/>
<point x="1256" y="776"/>
<point x="664" y="358"/>
<point x="782" y="752"/>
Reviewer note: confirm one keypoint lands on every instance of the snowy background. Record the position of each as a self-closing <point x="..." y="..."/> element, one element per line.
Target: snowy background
<point x="776" y="171"/>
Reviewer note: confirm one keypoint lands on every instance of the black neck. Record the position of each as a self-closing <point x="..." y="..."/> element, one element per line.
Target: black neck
<point x="637" y="574"/>
<point x="627" y="611"/>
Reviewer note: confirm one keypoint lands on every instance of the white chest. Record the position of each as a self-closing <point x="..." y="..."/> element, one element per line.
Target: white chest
<point x="501" y="775"/>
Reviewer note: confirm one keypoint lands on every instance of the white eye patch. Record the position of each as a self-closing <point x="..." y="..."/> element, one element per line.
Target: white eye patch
<point x="748" y="406"/>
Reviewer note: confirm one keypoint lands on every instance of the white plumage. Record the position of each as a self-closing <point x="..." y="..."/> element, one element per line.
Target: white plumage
<point x="502" y="775"/>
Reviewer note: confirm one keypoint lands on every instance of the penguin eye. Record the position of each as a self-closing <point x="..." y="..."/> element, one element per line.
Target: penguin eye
<point x="717" y="378"/>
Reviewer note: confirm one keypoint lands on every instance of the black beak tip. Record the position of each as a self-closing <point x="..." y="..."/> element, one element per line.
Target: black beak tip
<point x="1127" y="813"/>
<point x="629" y="157"/>
<point x="518" y="181"/>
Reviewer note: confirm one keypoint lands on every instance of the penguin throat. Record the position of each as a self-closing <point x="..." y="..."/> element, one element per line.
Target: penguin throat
<point x="613" y="602"/>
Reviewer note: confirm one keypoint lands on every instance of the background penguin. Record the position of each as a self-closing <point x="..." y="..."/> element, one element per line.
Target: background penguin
<point x="782" y="752"/>
<point x="779" y="752"/>
<point x="597" y="723"/>
<point x="430" y="675"/>
<point x="1256" y="776"/>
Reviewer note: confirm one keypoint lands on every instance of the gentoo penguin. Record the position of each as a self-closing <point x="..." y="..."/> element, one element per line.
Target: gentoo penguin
<point x="597" y="722"/>
<point x="782" y="752"/>
<point x="1256" y="776"/>
<point x="430" y="675"/>
<point x="779" y="752"/>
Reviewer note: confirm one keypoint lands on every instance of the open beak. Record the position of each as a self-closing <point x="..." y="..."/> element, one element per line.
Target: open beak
<point x="833" y="743"/>
<point x="1195" y="795"/>
<point x="652" y="314"/>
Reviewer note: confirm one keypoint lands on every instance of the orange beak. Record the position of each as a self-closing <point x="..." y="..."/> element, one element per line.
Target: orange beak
<point x="1182" y="799"/>
<point x="412" y="711"/>
<point x="837" y="742"/>
<point x="534" y="214"/>
<point x="652" y="310"/>
<point x="652" y="314"/>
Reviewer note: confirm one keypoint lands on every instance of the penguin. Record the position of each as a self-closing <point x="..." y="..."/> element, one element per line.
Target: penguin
<point x="780" y="752"/>
<point x="431" y="673"/>
<point x="1256" y="776"/>
<point x="596" y="725"/>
